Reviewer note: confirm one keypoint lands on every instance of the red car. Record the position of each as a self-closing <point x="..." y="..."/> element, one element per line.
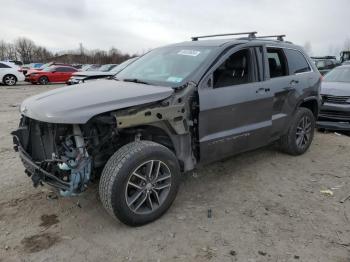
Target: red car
<point x="52" y="74"/>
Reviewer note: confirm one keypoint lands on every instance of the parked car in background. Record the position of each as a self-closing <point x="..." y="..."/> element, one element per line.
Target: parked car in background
<point x="52" y="74"/>
<point x="83" y="76"/>
<point x="325" y="64"/>
<point x="335" y="91"/>
<point x="175" y="108"/>
<point x="46" y="66"/>
<point x="16" y="62"/>
<point x="346" y="62"/>
<point x="344" y="56"/>
<point x="27" y="67"/>
<point x="90" y="67"/>
<point x="107" y="67"/>
<point x="10" y="74"/>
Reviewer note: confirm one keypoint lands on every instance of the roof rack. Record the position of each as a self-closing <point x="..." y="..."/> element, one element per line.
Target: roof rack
<point x="279" y="37"/>
<point x="250" y="35"/>
<point x="323" y="57"/>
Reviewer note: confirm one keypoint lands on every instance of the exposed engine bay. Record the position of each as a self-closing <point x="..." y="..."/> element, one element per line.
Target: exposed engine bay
<point x="69" y="156"/>
<point x="65" y="155"/>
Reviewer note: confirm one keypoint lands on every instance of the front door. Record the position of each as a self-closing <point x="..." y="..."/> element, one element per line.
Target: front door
<point x="235" y="106"/>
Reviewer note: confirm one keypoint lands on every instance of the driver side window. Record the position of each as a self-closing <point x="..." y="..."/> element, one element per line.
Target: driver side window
<point x="235" y="70"/>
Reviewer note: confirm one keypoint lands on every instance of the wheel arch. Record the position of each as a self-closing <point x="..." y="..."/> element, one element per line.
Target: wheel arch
<point x="311" y="103"/>
<point x="44" y="76"/>
<point x="180" y="145"/>
<point x="9" y="74"/>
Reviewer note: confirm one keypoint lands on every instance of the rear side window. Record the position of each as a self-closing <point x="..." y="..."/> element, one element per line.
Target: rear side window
<point x="296" y="62"/>
<point x="65" y="69"/>
<point x="4" y="66"/>
<point x="277" y="62"/>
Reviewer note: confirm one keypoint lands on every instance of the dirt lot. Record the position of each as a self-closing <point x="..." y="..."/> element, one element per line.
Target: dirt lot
<point x="265" y="206"/>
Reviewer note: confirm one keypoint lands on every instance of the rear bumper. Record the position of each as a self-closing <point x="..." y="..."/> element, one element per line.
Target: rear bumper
<point x="20" y="78"/>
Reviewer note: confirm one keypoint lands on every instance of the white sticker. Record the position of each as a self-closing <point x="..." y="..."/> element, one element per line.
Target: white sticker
<point x="174" y="79"/>
<point x="189" y="52"/>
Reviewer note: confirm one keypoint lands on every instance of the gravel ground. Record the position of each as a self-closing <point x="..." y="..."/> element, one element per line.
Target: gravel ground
<point x="264" y="205"/>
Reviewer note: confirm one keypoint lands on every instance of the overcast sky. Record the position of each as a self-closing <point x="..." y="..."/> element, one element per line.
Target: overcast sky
<point x="138" y="25"/>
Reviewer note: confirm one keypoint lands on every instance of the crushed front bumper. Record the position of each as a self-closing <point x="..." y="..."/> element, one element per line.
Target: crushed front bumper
<point x="35" y="171"/>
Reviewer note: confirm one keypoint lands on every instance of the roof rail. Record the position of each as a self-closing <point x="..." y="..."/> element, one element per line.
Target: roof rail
<point x="250" y="35"/>
<point x="279" y="37"/>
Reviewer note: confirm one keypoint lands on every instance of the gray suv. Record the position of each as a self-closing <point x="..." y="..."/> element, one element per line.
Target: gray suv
<point x="175" y="108"/>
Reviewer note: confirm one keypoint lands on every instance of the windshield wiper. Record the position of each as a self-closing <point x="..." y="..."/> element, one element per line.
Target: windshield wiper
<point x="135" y="80"/>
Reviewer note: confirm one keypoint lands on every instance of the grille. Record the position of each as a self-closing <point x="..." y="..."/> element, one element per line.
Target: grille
<point x="335" y="114"/>
<point x="337" y="99"/>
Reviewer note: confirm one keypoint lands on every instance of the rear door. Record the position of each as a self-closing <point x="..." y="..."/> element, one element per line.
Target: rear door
<point x="55" y="75"/>
<point x="67" y="73"/>
<point x="235" y="105"/>
<point x="287" y="73"/>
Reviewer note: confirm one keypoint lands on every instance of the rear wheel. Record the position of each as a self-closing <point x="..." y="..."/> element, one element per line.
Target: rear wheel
<point x="300" y="133"/>
<point x="139" y="182"/>
<point x="9" y="80"/>
<point x="43" y="80"/>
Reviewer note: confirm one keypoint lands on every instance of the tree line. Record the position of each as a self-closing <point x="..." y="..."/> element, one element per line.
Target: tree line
<point x="27" y="51"/>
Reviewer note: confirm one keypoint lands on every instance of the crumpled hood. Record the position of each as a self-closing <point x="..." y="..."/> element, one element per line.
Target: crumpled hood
<point x="335" y="89"/>
<point x="77" y="104"/>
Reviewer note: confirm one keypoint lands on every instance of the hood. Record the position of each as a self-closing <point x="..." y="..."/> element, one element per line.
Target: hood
<point x="335" y="88"/>
<point x="92" y="73"/>
<point x="77" y="104"/>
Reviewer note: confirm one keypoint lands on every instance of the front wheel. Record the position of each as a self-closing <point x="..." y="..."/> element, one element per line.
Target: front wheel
<point x="300" y="133"/>
<point x="43" y="80"/>
<point x="139" y="182"/>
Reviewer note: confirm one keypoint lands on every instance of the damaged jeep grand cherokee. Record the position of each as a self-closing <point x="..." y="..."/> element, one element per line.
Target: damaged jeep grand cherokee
<point x="175" y="108"/>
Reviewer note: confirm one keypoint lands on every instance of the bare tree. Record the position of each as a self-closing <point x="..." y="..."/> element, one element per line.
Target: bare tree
<point x="25" y="48"/>
<point x="11" y="52"/>
<point x="3" y="50"/>
<point x="347" y="44"/>
<point x="308" y="48"/>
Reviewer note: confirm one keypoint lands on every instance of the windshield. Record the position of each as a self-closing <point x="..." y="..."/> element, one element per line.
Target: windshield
<point x="121" y="66"/>
<point x="320" y="63"/>
<point x="167" y="66"/>
<point x="49" y="69"/>
<point x="45" y="65"/>
<point x="106" y="68"/>
<point x="340" y="74"/>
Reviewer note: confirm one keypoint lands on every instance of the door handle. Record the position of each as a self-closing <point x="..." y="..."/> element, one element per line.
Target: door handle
<point x="262" y="90"/>
<point x="293" y="82"/>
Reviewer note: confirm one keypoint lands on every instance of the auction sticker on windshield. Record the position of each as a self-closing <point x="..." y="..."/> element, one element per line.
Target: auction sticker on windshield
<point x="189" y="52"/>
<point x="174" y="79"/>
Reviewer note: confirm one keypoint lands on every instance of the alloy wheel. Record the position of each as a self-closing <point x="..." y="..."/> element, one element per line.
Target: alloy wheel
<point x="10" y="80"/>
<point x="303" y="133"/>
<point x="148" y="187"/>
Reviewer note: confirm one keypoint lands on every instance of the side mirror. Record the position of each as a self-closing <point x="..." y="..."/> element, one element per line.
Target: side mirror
<point x="209" y="81"/>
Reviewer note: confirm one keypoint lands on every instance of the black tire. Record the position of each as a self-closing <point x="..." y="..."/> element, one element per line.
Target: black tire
<point x="290" y="142"/>
<point x="115" y="181"/>
<point x="9" y="80"/>
<point x="43" y="80"/>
